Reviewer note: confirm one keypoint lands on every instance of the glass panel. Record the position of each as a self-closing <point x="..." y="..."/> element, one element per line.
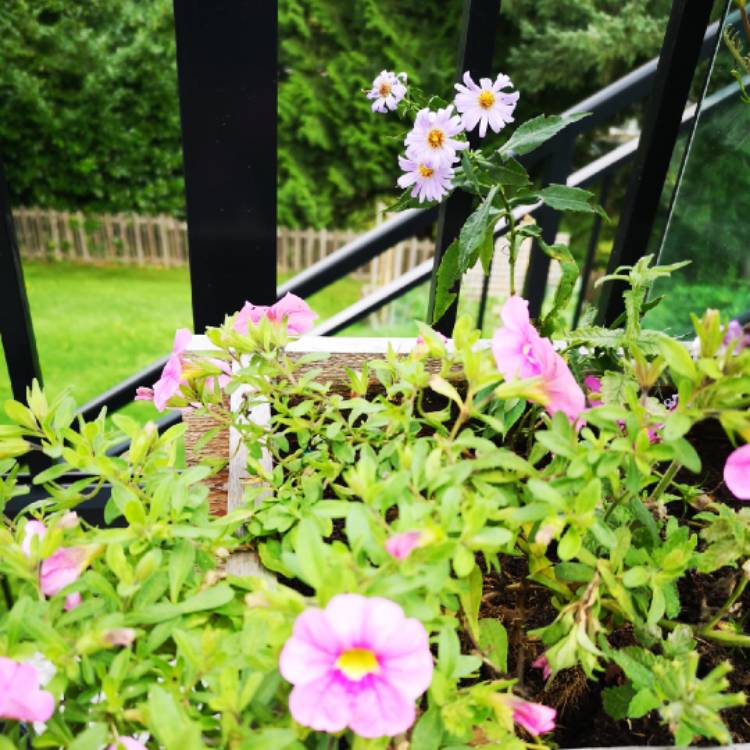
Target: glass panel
<point x="707" y="221"/>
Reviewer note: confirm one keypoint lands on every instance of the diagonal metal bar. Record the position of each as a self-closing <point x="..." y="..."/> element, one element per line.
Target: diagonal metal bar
<point x="477" y="45"/>
<point x="16" y="330"/>
<point x="674" y="75"/>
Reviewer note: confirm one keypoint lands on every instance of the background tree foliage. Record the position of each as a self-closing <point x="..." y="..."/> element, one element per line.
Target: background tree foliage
<point x="88" y="96"/>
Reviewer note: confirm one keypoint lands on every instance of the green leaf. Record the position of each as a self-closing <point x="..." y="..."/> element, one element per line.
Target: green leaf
<point x="643" y="702"/>
<point x="685" y="454"/>
<point x="428" y="731"/>
<point x="616" y="701"/>
<point x="565" y="198"/>
<point x="213" y="598"/>
<point x="448" y="273"/>
<point x="92" y="739"/>
<point x="533" y="133"/>
<point x="169" y="723"/>
<point x="509" y="174"/>
<point x="565" y="287"/>
<point x="471" y="600"/>
<point x="311" y="553"/>
<point x="676" y="426"/>
<point x="677" y="357"/>
<point x="180" y="562"/>
<point x="20" y="414"/>
<point x="493" y="640"/>
<point x="474" y="232"/>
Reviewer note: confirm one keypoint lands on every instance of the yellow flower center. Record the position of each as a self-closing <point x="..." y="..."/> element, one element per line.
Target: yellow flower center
<point x="425" y="171"/>
<point x="435" y="138"/>
<point x="486" y="99"/>
<point x="357" y="663"/>
<point x="385" y="89"/>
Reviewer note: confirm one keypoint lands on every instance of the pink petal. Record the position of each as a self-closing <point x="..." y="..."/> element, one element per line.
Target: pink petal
<point x="20" y="696"/>
<point x="312" y="650"/>
<point x="401" y="545"/>
<point x="515" y="314"/>
<point x="144" y="394"/>
<point x="129" y="743"/>
<point x="120" y="637"/>
<point x="380" y="710"/>
<point x="298" y="314"/>
<point x="541" y="662"/>
<point x="182" y="339"/>
<point x="737" y="472"/>
<point x="249" y="314"/>
<point x="61" y="569"/>
<point x="536" y="718"/>
<point x="323" y="704"/>
<point x="72" y="601"/>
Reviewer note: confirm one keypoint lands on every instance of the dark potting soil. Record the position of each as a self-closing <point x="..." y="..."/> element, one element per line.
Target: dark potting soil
<point x="582" y="721"/>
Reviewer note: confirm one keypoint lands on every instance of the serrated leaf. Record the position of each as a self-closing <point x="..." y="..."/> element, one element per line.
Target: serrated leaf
<point x="448" y="273"/>
<point x="533" y="133"/>
<point x="616" y="701"/>
<point x="493" y="640"/>
<point x="474" y="232"/>
<point x="566" y="198"/>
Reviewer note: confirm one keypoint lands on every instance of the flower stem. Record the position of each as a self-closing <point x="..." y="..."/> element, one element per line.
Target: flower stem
<point x="664" y="482"/>
<point x="733" y="597"/>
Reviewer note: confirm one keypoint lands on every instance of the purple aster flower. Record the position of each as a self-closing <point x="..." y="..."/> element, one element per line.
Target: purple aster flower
<point x="735" y="334"/>
<point x="427" y="179"/>
<point x="388" y="89"/>
<point x="485" y="104"/>
<point x="432" y="140"/>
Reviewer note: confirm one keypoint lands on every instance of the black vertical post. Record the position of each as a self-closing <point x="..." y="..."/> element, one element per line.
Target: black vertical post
<point x="227" y="70"/>
<point x="485" y="293"/>
<point x="588" y="263"/>
<point x="16" y="330"/>
<point x="661" y="125"/>
<point x="476" y="47"/>
<point x="557" y="170"/>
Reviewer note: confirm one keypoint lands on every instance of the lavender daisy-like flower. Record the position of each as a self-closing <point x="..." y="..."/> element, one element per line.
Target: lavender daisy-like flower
<point x="485" y="104"/>
<point x="388" y="89"/>
<point x="432" y="139"/>
<point x="427" y="179"/>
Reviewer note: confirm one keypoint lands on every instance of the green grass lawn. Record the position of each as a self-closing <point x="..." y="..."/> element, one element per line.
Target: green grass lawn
<point x="95" y="326"/>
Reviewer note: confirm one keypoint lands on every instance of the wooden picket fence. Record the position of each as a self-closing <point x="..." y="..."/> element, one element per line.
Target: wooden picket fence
<point x="131" y="239"/>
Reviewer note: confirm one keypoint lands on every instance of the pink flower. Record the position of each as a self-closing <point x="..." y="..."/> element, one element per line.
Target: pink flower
<point x="129" y="743"/>
<point x="388" y="89"/>
<point x="520" y="352"/>
<point x="20" y="696"/>
<point x="735" y="333"/>
<point x="120" y="637"/>
<point x="594" y="387"/>
<point x="249" y="314"/>
<point x="541" y="662"/>
<point x="62" y="568"/>
<point x="358" y="663"/>
<point x="432" y="140"/>
<point x="737" y="472"/>
<point x="68" y="520"/>
<point x="32" y="529"/>
<point x="485" y="104"/>
<point x="427" y="179"/>
<point x="171" y="379"/>
<point x="535" y="718"/>
<point x="401" y="545"/>
<point x="72" y="601"/>
<point x="298" y="314"/>
<point x="442" y="337"/>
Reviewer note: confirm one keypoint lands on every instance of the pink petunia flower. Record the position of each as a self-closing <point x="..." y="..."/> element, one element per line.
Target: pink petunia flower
<point x="129" y="743"/>
<point x="541" y="662"/>
<point x="33" y="529"/>
<point x="485" y="104"/>
<point x="62" y="568"/>
<point x="520" y="352"/>
<point x="403" y="544"/>
<point x="427" y="179"/>
<point x="171" y="379"/>
<point x="388" y="89"/>
<point x="20" y="696"/>
<point x="735" y="334"/>
<point x="432" y="139"/>
<point x="72" y="601"/>
<point x="358" y="663"/>
<point x="535" y="718"/>
<point x="737" y="472"/>
<point x="298" y="314"/>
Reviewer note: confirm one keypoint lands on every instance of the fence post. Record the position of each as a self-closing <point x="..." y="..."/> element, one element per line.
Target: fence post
<point x="227" y="73"/>
<point x="477" y="44"/>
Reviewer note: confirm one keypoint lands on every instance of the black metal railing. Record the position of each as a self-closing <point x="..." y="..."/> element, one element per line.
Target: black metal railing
<point x="228" y="83"/>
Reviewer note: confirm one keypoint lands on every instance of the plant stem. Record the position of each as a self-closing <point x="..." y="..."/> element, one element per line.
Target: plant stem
<point x="511" y="240"/>
<point x="733" y="597"/>
<point x="664" y="482"/>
